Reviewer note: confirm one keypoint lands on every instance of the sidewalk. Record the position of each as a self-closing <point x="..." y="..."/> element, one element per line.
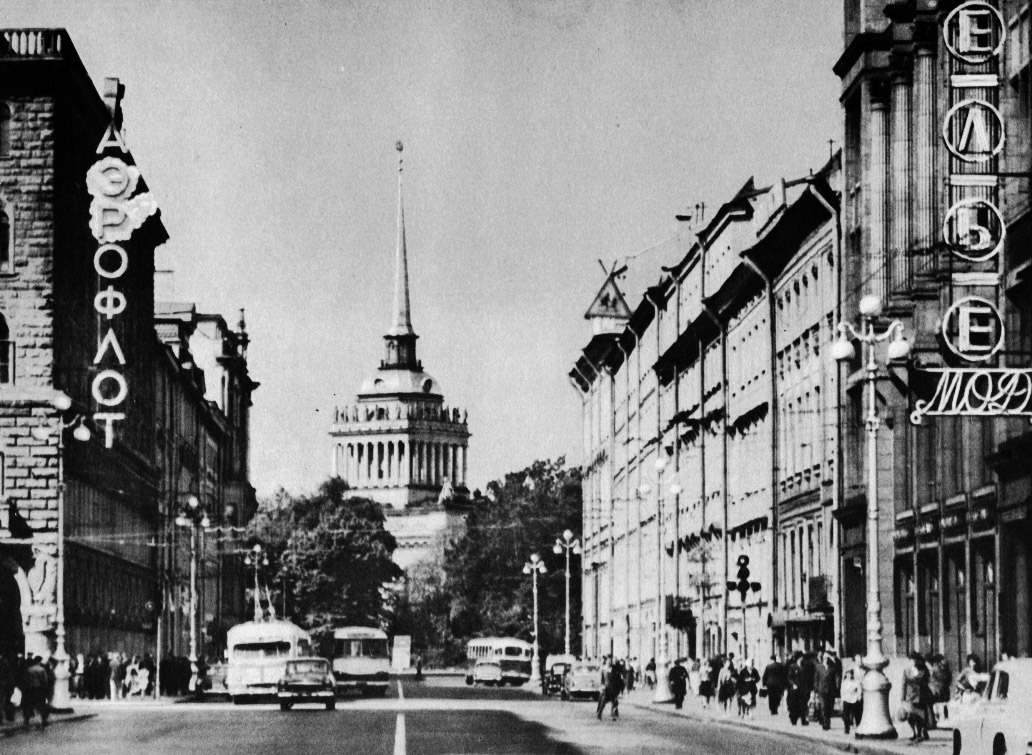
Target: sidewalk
<point x="941" y="741"/>
<point x="13" y="728"/>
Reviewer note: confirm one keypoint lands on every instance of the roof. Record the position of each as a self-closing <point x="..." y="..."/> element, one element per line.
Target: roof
<point x="389" y="382"/>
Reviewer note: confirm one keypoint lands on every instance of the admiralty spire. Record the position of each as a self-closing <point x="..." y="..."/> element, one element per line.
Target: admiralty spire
<point x="399" y="443"/>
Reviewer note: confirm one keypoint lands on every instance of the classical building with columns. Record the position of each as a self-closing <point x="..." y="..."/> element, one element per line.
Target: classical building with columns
<point x="399" y="443"/>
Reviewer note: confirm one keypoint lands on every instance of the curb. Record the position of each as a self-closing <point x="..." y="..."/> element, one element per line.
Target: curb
<point x="13" y="731"/>
<point x="853" y="746"/>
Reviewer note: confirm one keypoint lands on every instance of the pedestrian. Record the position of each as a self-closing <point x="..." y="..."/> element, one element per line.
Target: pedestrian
<point x="629" y="675"/>
<point x="914" y="697"/>
<point x="117" y="675"/>
<point x="165" y="672"/>
<point x="679" y="682"/>
<point x="34" y="692"/>
<point x="851" y="697"/>
<point x="612" y="686"/>
<point x="6" y="688"/>
<point x="727" y="683"/>
<point x="826" y="687"/>
<point x="745" y="689"/>
<point x="798" y="696"/>
<point x="148" y="665"/>
<point x="650" y="673"/>
<point x="419" y="668"/>
<point x="103" y="676"/>
<point x="50" y="669"/>
<point x="775" y="681"/>
<point x="971" y="680"/>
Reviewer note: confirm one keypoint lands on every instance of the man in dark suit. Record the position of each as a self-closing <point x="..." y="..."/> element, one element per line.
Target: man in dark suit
<point x="775" y="681"/>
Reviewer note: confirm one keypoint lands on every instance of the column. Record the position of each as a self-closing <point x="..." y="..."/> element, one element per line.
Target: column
<point x="402" y="464"/>
<point x="390" y="451"/>
<point x="370" y="463"/>
<point x="465" y="453"/>
<point x="359" y="461"/>
<point x="876" y="272"/>
<point x="925" y="144"/>
<point x="899" y="243"/>
<point x="334" y="457"/>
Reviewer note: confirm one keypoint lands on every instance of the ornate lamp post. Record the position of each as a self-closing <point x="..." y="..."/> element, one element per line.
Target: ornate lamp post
<point x="567" y="543"/>
<point x="534" y="567"/>
<point x="61" y="404"/>
<point x="256" y="559"/>
<point x="194" y="517"/>
<point x="662" y="692"/>
<point x="876" y="723"/>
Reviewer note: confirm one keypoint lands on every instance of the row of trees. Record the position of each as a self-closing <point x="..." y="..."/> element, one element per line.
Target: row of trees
<point x="331" y="557"/>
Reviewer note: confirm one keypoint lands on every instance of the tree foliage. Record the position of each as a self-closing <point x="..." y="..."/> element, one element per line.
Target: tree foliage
<point x="523" y="514"/>
<point x="331" y="554"/>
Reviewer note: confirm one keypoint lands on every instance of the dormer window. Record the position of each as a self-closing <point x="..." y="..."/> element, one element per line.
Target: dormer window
<point x="428" y="385"/>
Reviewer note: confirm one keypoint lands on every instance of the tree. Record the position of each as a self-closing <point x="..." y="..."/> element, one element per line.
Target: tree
<point x="331" y="553"/>
<point x="524" y="513"/>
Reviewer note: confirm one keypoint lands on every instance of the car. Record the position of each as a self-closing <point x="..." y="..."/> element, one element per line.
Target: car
<point x="556" y="667"/>
<point x="307" y="680"/>
<point x="998" y="721"/>
<point x="582" y="679"/>
<point x="487" y="671"/>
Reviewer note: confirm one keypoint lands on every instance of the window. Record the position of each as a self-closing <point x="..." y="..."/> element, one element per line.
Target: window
<point x="6" y="237"/>
<point x="5" y="130"/>
<point x="6" y="353"/>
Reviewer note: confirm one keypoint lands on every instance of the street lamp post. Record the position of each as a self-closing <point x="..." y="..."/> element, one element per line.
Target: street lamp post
<point x="876" y="723"/>
<point x="257" y="559"/>
<point x="566" y="544"/>
<point x="194" y="517"/>
<point x="61" y="404"/>
<point x="662" y="691"/>
<point x="534" y="567"/>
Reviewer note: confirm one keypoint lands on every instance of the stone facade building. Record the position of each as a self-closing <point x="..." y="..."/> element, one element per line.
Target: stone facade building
<point x="705" y="418"/>
<point x="399" y="443"/>
<point x="954" y="490"/>
<point x="98" y="417"/>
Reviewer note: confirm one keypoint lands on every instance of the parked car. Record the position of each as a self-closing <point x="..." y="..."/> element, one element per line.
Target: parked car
<point x="487" y="671"/>
<point x="556" y="667"/>
<point x="999" y="721"/>
<point x="582" y="680"/>
<point x="307" y="680"/>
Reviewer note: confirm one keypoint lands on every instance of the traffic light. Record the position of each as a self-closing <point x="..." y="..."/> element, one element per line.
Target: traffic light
<point x="743" y="585"/>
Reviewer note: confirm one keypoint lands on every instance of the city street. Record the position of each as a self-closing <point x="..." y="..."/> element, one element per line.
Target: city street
<point x="438" y="716"/>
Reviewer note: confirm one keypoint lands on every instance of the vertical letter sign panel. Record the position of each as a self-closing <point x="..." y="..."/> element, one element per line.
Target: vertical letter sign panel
<point x="973" y="231"/>
<point x="116" y="211"/>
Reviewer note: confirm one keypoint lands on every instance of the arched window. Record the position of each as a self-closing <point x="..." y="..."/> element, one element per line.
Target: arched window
<point x="6" y="353"/>
<point x="6" y="238"/>
<point x="5" y="130"/>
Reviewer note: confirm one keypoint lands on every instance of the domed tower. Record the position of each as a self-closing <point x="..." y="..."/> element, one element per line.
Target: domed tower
<point x="399" y="443"/>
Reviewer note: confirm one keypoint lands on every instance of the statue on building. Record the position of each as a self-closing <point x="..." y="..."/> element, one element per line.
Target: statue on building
<point x="42" y="577"/>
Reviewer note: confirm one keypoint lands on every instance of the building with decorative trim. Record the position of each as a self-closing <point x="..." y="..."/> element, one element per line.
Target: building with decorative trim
<point x="399" y="443"/>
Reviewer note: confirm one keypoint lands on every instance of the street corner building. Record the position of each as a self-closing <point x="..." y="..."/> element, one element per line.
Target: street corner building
<point x="717" y="424"/>
<point x="399" y="444"/>
<point x="111" y="416"/>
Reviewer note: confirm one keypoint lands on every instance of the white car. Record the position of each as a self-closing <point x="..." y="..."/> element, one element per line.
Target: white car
<point x="999" y="722"/>
<point x="487" y="671"/>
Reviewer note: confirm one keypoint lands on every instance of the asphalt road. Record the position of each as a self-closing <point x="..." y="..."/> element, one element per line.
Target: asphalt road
<point x="438" y="717"/>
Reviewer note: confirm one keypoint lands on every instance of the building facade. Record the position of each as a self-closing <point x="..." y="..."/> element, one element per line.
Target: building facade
<point x="88" y="416"/>
<point x="937" y="130"/>
<point x="706" y="436"/>
<point x="399" y="444"/>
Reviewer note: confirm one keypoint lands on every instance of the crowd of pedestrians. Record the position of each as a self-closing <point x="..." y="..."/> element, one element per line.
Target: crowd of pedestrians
<point x="27" y="682"/>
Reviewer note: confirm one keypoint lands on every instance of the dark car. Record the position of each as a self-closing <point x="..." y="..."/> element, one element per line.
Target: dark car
<point x="307" y="680"/>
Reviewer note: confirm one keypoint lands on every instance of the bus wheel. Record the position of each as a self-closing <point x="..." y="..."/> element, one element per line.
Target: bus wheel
<point x="284" y="706"/>
<point x="331" y="705"/>
<point x="469" y="681"/>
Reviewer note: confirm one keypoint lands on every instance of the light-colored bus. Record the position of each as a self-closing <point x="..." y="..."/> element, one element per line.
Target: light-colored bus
<point x="258" y="653"/>
<point x="513" y="656"/>
<point x="361" y="659"/>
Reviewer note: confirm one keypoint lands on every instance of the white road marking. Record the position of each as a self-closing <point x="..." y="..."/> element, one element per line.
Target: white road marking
<point x="401" y="692"/>
<point x="399" y="735"/>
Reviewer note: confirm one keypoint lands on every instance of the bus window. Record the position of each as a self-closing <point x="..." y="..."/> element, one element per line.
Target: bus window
<point x="304" y="648"/>
<point x="360" y="649"/>
<point x="514" y="651"/>
<point x="258" y="650"/>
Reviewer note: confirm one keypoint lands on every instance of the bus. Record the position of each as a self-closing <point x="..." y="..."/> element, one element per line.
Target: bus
<point x="513" y="655"/>
<point x="361" y="659"/>
<point x="258" y="653"/>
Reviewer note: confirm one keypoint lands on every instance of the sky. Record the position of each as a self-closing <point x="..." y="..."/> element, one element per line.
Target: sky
<point x="540" y="136"/>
